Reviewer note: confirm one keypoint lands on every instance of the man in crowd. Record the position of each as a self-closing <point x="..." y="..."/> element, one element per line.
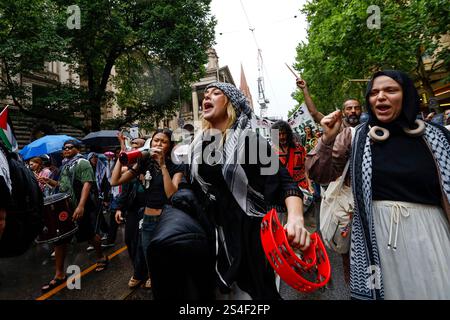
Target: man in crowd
<point x="351" y="109"/>
<point x="103" y="188"/>
<point x="76" y="179"/>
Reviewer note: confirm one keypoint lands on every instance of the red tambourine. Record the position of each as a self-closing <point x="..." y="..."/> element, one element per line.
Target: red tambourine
<point x="305" y="271"/>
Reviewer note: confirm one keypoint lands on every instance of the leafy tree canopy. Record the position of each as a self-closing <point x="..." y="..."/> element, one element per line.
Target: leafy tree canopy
<point x="341" y="47"/>
<point x="115" y="37"/>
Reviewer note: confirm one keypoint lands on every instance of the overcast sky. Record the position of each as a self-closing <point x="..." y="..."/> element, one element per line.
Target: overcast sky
<point x="277" y="34"/>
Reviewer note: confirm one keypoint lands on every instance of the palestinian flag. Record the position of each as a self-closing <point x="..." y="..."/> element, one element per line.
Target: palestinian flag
<point x="6" y="132"/>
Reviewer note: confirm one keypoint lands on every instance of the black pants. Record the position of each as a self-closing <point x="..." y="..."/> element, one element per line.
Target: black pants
<point x="113" y="226"/>
<point x="132" y="231"/>
<point x="99" y="221"/>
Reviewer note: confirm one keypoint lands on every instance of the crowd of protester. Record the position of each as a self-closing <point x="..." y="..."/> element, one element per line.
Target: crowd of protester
<point x="400" y="175"/>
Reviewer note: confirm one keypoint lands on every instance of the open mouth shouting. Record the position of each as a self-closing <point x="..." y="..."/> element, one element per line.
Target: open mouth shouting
<point x="386" y="98"/>
<point x="207" y="106"/>
<point x="383" y="108"/>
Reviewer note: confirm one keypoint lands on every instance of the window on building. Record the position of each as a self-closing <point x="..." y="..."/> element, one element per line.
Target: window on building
<point x="38" y="93"/>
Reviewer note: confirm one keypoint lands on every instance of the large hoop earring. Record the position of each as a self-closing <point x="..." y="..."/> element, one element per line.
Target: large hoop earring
<point x="418" y="131"/>
<point x="378" y="138"/>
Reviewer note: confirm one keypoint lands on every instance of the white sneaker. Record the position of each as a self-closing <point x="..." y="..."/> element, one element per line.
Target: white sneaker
<point x="90" y="248"/>
<point x="53" y="254"/>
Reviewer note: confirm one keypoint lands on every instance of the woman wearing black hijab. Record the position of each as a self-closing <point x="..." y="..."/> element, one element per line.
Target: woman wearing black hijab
<point x="400" y="172"/>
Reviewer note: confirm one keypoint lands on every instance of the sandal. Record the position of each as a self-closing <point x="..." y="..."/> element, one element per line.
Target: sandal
<point x="102" y="264"/>
<point x="55" y="282"/>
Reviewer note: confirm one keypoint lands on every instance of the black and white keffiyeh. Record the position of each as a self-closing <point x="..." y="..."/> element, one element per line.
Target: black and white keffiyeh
<point x="230" y="154"/>
<point x="237" y="98"/>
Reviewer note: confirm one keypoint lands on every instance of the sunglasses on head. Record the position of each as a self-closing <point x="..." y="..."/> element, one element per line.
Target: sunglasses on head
<point x="68" y="147"/>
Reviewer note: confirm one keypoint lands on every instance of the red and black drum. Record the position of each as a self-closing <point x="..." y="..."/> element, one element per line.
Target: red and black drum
<point x="57" y="219"/>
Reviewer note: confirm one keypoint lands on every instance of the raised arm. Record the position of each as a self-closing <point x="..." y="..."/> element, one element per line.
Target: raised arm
<point x="118" y="177"/>
<point x="327" y="160"/>
<point x="316" y="114"/>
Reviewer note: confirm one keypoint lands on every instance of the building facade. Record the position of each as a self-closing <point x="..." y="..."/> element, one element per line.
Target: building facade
<point x="189" y="115"/>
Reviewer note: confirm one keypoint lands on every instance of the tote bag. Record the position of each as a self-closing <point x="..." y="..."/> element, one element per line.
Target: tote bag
<point x="336" y="212"/>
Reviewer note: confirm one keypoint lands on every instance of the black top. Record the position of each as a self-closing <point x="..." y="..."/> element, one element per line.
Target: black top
<point x="155" y="195"/>
<point x="404" y="170"/>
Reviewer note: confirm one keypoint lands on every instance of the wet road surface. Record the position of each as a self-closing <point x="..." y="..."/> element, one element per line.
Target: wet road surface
<point x="22" y="277"/>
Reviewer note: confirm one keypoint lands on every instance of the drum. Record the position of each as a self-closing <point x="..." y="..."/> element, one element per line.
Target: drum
<point x="57" y="219"/>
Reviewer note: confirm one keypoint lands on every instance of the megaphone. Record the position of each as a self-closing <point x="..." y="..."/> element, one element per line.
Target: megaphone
<point x="131" y="157"/>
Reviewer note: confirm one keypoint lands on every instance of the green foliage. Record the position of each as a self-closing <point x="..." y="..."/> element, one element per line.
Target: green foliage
<point x="28" y="37"/>
<point x="169" y="37"/>
<point x="341" y="47"/>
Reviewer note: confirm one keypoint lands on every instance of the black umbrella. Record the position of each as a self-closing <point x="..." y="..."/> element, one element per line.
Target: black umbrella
<point x="102" y="138"/>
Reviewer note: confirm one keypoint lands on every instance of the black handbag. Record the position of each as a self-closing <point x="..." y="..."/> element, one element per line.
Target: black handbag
<point x="181" y="256"/>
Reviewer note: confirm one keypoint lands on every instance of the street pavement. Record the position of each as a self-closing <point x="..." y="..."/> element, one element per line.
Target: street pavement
<point x="336" y="288"/>
<point x="22" y="277"/>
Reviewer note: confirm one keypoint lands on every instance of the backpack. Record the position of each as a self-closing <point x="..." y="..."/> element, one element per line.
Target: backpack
<point x="24" y="216"/>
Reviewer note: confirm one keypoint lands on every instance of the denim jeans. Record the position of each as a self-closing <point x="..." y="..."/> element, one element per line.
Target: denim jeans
<point x="146" y="234"/>
<point x="140" y="264"/>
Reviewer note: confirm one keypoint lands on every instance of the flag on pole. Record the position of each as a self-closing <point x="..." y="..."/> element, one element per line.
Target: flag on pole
<point x="6" y="131"/>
